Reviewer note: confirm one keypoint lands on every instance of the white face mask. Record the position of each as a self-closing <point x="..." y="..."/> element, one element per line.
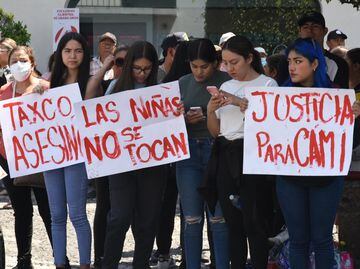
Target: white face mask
<point x="21" y="70"/>
<point x="263" y="61"/>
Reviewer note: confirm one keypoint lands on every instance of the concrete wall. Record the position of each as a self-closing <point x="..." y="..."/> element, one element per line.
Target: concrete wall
<point x="190" y="17"/>
<point x="345" y="18"/>
<point x="37" y="15"/>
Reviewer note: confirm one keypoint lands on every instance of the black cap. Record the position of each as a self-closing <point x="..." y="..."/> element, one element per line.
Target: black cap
<point x="335" y="34"/>
<point x="314" y="17"/>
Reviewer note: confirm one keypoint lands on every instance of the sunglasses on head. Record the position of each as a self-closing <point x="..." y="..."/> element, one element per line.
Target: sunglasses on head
<point x="119" y="62"/>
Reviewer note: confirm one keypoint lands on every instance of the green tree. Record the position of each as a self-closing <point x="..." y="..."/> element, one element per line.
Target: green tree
<point x="267" y="23"/>
<point x="13" y="29"/>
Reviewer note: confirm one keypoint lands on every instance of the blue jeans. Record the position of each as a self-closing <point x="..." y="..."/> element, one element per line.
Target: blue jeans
<point x="309" y="215"/>
<point x="189" y="175"/>
<point x="68" y="187"/>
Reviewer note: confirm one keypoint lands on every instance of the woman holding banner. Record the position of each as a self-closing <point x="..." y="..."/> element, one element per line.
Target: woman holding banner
<point x="309" y="203"/>
<point x="225" y="121"/>
<point x="135" y="196"/>
<point x="21" y="61"/>
<point x="67" y="187"/>
<point x="190" y="172"/>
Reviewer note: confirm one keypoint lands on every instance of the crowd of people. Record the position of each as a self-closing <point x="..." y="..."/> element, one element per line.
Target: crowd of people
<point x="212" y="80"/>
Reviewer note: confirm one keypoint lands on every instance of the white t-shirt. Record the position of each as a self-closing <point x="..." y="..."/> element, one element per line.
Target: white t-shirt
<point x="231" y="118"/>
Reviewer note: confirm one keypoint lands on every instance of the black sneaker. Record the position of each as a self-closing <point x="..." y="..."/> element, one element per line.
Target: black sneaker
<point x="24" y="263"/>
<point x="97" y="263"/>
<point x="165" y="262"/>
<point x="154" y="258"/>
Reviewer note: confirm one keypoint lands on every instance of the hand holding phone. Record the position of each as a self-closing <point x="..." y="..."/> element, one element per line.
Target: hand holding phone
<point x="194" y="115"/>
<point x="196" y="110"/>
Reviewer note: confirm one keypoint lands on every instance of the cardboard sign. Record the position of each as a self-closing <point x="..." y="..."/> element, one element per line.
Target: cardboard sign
<point x="132" y="130"/>
<point x="38" y="131"/>
<point x="64" y="20"/>
<point x="298" y="131"/>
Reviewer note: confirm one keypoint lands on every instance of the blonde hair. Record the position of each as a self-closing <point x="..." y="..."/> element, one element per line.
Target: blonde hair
<point x="8" y="42"/>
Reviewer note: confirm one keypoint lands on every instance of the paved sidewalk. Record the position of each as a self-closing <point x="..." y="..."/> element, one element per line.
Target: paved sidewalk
<point x="41" y="250"/>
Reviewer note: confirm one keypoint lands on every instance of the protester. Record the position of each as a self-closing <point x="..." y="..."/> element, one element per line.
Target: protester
<point x="353" y="60"/>
<point x="135" y="196"/>
<point x="119" y="58"/>
<point x="263" y="55"/>
<point x="21" y="61"/>
<point x="312" y="25"/>
<point x="169" y="47"/>
<point x="6" y="45"/>
<point x="225" y="37"/>
<point x="225" y="120"/>
<point x="190" y="172"/>
<point x="107" y="44"/>
<point x="309" y="203"/>
<point x="335" y="39"/>
<point x="95" y="88"/>
<point x="179" y="68"/>
<point x="277" y="68"/>
<point x="67" y="187"/>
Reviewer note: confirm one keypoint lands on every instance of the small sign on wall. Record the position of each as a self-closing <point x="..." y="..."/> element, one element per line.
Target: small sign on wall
<point x="64" y="20"/>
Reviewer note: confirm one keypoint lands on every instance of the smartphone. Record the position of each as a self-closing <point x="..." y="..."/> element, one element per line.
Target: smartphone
<point x="196" y="109"/>
<point x="212" y="90"/>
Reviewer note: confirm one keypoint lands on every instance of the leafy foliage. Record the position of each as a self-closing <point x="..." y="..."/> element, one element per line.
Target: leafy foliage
<point x="355" y="3"/>
<point x="13" y="29"/>
<point x="267" y="23"/>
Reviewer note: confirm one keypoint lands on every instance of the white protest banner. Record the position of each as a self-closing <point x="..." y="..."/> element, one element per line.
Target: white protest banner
<point x="298" y="131"/>
<point x="38" y="131"/>
<point x="2" y="173"/>
<point x="64" y="20"/>
<point x="132" y="130"/>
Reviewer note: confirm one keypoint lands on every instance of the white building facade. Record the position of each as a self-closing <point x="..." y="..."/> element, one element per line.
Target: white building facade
<point x="152" y="20"/>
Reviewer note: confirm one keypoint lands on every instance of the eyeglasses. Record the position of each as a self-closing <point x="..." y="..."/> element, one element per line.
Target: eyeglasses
<point x="138" y="70"/>
<point x="119" y="62"/>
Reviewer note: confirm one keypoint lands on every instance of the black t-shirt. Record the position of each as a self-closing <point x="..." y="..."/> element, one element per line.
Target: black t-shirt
<point x="338" y="70"/>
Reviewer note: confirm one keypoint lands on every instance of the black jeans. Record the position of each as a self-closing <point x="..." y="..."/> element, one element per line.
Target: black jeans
<point x="101" y="213"/>
<point x="249" y="222"/>
<point x="23" y="211"/>
<point x="135" y="198"/>
<point x="167" y="215"/>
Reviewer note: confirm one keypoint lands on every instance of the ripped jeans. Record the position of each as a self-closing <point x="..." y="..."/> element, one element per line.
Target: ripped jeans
<point x="189" y="175"/>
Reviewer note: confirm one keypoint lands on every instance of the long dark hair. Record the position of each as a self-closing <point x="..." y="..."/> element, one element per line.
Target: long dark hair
<point x="279" y="63"/>
<point x="311" y="50"/>
<point x="241" y="45"/>
<point x="138" y="50"/>
<point x="354" y="55"/>
<point x="202" y="49"/>
<point x="59" y="72"/>
<point x="180" y="66"/>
